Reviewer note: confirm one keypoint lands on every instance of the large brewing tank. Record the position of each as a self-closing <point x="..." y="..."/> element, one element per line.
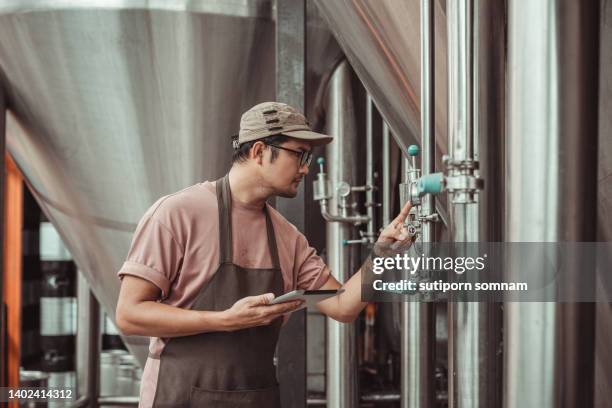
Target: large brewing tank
<point x="116" y="103"/>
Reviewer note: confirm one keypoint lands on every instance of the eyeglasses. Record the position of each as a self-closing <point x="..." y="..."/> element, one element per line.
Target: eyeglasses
<point x="305" y="156"/>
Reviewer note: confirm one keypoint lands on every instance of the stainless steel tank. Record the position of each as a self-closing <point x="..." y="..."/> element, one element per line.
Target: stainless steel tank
<point x="381" y="41"/>
<point x="116" y="103"/>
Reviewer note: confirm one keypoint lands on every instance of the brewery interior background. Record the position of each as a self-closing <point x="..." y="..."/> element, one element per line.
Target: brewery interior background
<point x="112" y="104"/>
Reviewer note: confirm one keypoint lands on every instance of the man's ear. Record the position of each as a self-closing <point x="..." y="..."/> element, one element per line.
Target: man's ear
<point x="257" y="151"/>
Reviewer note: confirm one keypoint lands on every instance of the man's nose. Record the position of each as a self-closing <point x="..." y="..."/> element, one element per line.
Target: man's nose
<point x="304" y="169"/>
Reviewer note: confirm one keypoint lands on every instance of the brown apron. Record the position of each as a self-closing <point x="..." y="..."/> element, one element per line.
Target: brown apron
<point x="225" y="369"/>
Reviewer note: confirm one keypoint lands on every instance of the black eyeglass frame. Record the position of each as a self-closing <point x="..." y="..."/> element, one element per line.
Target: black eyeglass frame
<point x="305" y="156"/>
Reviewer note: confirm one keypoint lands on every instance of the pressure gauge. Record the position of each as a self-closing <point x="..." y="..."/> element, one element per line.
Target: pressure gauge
<point x="343" y="189"/>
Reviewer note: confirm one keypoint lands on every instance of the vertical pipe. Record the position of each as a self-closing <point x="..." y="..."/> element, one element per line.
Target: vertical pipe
<point x="290" y="89"/>
<point x="88" y="342"/>
<point x="428" y="109"/>
<point x="386" y="175"/>
<point x="551" y="157"/>
<point x="418" y="328"/>
<point x="417" y="349"/>
<point x="426" y="311"/>
<point x="474" y="327"/>
<point x="462" y="317"/>
<point x="460" y="101"/>
<point x="530" y="327"/>
<point x="342" y="380"/>
<point x="370" y="168"/>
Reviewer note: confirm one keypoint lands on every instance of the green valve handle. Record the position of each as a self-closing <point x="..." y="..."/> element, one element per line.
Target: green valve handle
<point x="413" y="150"/>
<point x="430" y="184"/>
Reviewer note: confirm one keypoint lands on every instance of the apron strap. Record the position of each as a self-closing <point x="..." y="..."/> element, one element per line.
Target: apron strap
<point x="271" y="239"/>
<point x="224" y="201"/>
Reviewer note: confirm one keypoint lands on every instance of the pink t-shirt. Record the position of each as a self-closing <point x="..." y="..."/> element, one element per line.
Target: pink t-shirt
<point x="176" y="247"/>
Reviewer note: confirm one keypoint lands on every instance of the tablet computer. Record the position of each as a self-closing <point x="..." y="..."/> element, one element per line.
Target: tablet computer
<point x="310" y="297"/>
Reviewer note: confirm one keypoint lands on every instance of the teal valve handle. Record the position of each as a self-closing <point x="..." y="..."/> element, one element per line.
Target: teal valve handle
<point x="413" y="150"/>
<point x="320" y="162"/>
<point x="430" y="184"/>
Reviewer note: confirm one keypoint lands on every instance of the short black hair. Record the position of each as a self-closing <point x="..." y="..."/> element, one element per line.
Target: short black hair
<point x="241" y="154"/>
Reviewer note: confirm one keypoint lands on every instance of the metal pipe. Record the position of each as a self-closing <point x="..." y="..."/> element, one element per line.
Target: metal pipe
<point x="374" y="397"/>
<point x="551" y="157"/>
<point x="460" y="70"/>
<point x="428" y="109"/>
<point x="386" y="175"/>
<point x="118" y="401"/>
<point x="477" y="326"/>
<point x="370" y="169"/>
<point x="88" y="342"/>
<point x="362" y="188"/>
<point x="316" y="402"/>
<point x="327" y="216"/>
<point x="379" y="397"/>
<point x="383" y="398"/>
<point x="342" y="379"/>
<point x="417" y="347"/>
<point x="473" y="327"/>
<point x="418" y="337"/>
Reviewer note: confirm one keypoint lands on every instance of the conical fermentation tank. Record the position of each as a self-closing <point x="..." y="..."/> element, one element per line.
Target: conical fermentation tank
<point x="113" y="104"/>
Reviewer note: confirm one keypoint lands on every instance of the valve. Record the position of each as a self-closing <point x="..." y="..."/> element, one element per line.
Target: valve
<point x="322" y="192"/>
<point x="321" y="186"/>
<point x="414" y="189"/>
<point x="460" y="180"/>
<point x="430" y="184"/>
<point x="413" y="150"/>
<point x="412" y="230"/>
<point x="417" y="185"/>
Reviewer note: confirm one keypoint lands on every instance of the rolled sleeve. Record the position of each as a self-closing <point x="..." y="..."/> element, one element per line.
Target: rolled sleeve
<point x="145" y="272"/>
<point x="154" y="255"/>
<point x="312" y="272"/>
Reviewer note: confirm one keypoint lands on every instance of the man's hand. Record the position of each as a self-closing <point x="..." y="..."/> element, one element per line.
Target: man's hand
<point x="395" y="236"/>
<point x="254" y="311"/>
<point x="346" y="306"/>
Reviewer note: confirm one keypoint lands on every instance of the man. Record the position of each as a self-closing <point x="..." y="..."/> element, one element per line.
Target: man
<point x="205" y="263"/>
